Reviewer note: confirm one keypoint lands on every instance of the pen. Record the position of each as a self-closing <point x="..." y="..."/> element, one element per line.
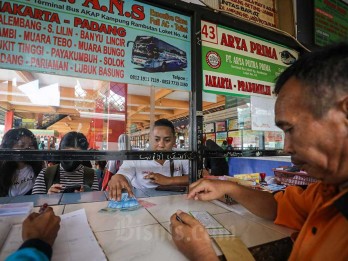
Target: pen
<point x="43" y="208"/>
<point x="178" y="218"/>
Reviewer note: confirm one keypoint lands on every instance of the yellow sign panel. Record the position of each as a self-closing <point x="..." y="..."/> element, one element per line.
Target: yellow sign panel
<point x="261" y="12"/>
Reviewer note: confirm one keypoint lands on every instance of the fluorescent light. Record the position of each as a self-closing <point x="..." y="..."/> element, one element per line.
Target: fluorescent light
<point x="77" y="99"/>
<point x="95" y="115"/>
<point x="13" y="94"/>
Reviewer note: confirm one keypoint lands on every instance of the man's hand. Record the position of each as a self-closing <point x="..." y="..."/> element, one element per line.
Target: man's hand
<point x="204" y="189"/>
<point x="43" y="226"/>
<point x="159" y="179"/>
<point x="116" y="184"/>
<point x="258" y="202"/>
<point x="191" y="238"/>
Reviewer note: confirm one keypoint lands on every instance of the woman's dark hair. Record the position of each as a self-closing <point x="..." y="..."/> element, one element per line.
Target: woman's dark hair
<point x="165" y="123"/>
<point x="74" y="139"/>
<point x="8" y="168"/>
<point x="12" y="137"/>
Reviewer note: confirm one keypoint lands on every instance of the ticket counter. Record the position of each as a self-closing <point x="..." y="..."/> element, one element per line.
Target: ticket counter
<point x="144" y="234"/>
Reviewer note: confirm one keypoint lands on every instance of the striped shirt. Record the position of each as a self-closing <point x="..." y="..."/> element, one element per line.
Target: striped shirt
<point x="66" y="178"/>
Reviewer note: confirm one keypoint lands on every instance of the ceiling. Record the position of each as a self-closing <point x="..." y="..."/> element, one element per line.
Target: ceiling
<point x="77" y="105"/>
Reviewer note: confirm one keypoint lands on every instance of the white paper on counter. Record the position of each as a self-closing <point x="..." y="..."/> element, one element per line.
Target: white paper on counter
<point x="75" y="240"/>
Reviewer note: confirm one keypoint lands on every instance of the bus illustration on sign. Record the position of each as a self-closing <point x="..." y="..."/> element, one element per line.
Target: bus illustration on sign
<point x="157" y="55"/>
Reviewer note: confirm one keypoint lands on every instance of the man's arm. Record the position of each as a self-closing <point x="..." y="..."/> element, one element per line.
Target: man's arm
<point x="29" y="252"/>
<point x="182" y="180"/>
<point x="39" y="231"/>
<point x="164" y="180"/>
<point x="258" y="202"/>
<point x="122" y="180"/>
<point x="116" y="184"/>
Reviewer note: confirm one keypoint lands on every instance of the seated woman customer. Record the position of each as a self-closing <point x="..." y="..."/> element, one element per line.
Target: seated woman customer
<point x="17" y="177"/>
<point x="68" y="173"/>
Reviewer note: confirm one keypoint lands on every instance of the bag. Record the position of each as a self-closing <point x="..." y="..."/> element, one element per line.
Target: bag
<point x="52" y="176"/>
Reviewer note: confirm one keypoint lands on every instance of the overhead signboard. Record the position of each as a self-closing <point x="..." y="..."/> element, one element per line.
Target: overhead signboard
<point x="122" y="41"/>
<point x="260" y="12"/>
<point x="330" y="21"/>
<point x="236" y="63"/>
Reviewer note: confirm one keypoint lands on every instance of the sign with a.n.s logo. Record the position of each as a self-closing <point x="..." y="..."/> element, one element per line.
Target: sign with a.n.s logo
<point x="121" y="41"/>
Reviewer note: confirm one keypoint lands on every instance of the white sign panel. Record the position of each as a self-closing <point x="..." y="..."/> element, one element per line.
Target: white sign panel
<point x="262" y="114"/>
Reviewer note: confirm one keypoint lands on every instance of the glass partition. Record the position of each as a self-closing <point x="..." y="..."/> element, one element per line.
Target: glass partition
<point x="231" y="123"/>
<point x="112" y="74"/>
<point x="52" y="105"/>
<point x="108" y="72"/>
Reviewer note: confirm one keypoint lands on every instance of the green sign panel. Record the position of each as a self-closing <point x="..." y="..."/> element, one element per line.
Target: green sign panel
<point x="331" y="21"/>
<point x="239" y="64"/>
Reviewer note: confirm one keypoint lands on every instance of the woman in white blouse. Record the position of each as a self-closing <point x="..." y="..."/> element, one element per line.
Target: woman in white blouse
<point x="18" y="177"/>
